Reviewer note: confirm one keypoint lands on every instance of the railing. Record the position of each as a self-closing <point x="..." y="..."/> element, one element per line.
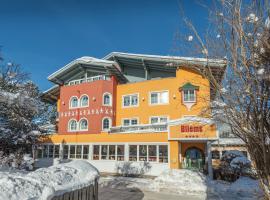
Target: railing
<point x="139" y="128"/>
<point x="89" y="79"/>
<point x="86" y="193"/>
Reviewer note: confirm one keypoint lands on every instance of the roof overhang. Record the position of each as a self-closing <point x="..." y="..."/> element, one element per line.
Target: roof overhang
<point x="51" y="95"/>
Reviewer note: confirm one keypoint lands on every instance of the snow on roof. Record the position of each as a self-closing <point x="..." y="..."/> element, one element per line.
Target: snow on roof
<point x="44" y="183"/>
<point x="229" y="141"/>
<point x="185" y="120"/>
<point x="165" y="58"/>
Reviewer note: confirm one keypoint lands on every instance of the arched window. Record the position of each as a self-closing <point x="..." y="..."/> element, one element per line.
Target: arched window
<point x="83" y="125"/>
<point x="106" y="123"/>
<point x="107" y="99"/>
<point x="84" y="101"/>
<point x="72" y="125"/>
<point x="74" y="102"/>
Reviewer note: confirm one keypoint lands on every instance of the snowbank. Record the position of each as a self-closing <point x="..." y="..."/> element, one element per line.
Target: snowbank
<point x="45" y="182"/>
<point x="181" y="181"/>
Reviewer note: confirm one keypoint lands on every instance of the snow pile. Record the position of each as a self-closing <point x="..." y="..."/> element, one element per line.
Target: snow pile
<point x="46" y="182"/>
<point x="240" y="161"/>
<point x="180" y="181"/>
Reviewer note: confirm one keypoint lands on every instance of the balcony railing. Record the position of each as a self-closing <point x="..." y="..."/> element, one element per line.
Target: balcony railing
<point x="89" y="79"/>
<point x="142" y="128"/>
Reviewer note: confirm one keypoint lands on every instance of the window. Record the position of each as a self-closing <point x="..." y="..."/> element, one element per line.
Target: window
<point x="72" y="125"/>
<point x="142" y="152"/>
<point x="189" y="95"/>
<point x="45" y="151"/>
<point x="74" y="102"/>
<point x="130" y="100"/>
<point x="111" y="152"/>
<point x="79" y="151"/>
<point x="39" y="152"/>
<point x="245" y="153"/>
<point x="159" y="97"/>
<point x="72" y="151"/>
<point x="84" y="101"/>
<point x="152" y="153"/>
<point x="85" y="151"/>
<point x="157" y="120"/>
<point x="130" y="122"/>
<point x="65" y="151"/>
<point x="50" y="155"/>
<point x="104" y="152"/>
<point x="133" y="153"/>
<point x="106" y="123"/>
<point x="107" y="99"/>
<point x="96" y="152"/>
<point x="120" y="152"/>
<point x="56" y="151"/>
<point x="215" y="155"/>
<point x="163" y="153"/>
<point x="83" y="125"/>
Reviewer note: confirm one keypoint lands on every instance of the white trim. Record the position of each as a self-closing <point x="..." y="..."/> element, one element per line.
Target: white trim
<point x="158" y="92"/>
<point x="131" y="106"/>
<point x="70" y="99"/>
<point x="80" y="124"/>
<point x="111" y="99"/>
<point x="83" y="95"/>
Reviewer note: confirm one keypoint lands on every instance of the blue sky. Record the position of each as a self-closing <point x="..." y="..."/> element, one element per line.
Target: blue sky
<point x="43" y="36"/>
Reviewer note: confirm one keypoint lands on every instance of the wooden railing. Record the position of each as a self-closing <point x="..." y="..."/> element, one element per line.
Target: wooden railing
<point x="89" y="79"/>
<point x="87" y="193"/>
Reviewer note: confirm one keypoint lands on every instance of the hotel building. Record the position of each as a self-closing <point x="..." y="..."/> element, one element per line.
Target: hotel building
<point x="144" y="110"/>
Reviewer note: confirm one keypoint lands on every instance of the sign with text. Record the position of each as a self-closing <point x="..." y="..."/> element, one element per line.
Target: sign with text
<point x="191" y="129"/>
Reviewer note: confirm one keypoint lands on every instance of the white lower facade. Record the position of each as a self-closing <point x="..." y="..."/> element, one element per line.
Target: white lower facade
<point x="123" y="158"/>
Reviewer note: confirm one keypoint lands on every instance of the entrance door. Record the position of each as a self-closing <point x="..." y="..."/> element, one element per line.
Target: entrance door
<point x="194" y="158"/>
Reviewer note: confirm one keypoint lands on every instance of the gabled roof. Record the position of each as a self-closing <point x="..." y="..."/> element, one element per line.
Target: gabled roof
<point x="83" y="64"/>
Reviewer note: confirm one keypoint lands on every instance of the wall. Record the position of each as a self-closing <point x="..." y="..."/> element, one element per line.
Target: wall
<point x="94" y="113"/>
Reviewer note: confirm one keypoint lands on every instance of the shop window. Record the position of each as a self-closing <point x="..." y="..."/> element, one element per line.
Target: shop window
<point x="215" y="155"/>
<point x="111" y="152"/>
<point x="50" y="147"/>
<point x="72" y="151"/>
<point x="79" y="151"/>
<point x="45" y="151"/>
<point x="133" y="153"/>
<point x="104" y="152"/>
<point x="84" y="101"/>
<point x="85" y="151"/>
<point x="39" y="151"/>
<point x="65" y="151"/>
<point x="152" y="153"/>
<point x="159" y="98"/>
<point x="56" y="151"/>
<point x="143" y="153"/>
<point x="130" y="100"/>
<point x="120" y="152"/>
<point x="96" y="152"/>
<point x="163" y="153"/>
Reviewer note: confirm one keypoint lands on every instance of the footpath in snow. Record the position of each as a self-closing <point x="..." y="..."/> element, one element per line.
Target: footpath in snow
<point x="45" y="182"/>
<point x="189" y="183"/>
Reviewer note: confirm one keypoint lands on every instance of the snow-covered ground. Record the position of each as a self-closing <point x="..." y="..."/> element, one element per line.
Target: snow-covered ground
<point x="189" y="183"/>
<point x="45" y="182"/>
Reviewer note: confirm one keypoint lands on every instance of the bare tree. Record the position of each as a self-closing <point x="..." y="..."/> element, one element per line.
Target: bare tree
<point x="240" y="32"/>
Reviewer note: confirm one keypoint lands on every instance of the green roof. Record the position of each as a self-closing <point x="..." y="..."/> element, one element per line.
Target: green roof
<point x="189" y="86"/>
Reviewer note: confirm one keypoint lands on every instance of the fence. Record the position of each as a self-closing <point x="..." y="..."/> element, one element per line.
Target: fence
<point x="86" y="193"/>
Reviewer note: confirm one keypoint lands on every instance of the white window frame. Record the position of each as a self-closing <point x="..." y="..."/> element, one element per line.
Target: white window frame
<point x="110" y="95"/>
<point x="132" y="118"/>
<point x="70" y="102"/>
<point x="69" y="122"/>
<point x="159" y="92"/>
<point x="183" y="94"/>
<point x="160" y="116"/>
<point x="130" y="95"/>
<point x="80" y="124"/>
<point x="110" y="123"/>
<point x="84" y="95"/>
